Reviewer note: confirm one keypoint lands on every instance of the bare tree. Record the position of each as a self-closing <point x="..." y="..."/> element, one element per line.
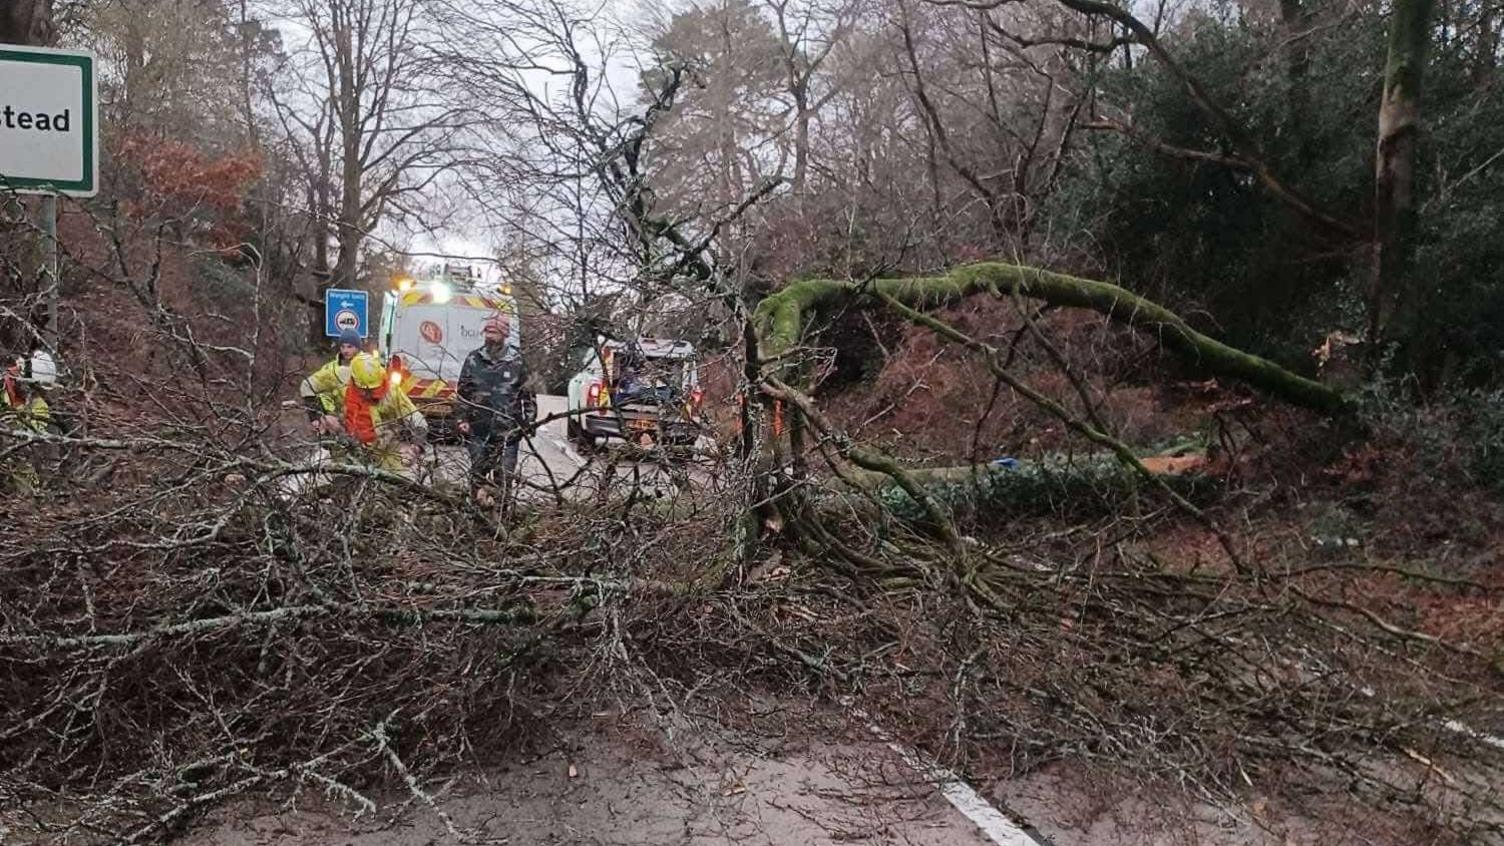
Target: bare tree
<point x="807" y="35"/>
<point x="169" y="69"/>
<point x="725" y="131"/>
<point x="371" y="130"/>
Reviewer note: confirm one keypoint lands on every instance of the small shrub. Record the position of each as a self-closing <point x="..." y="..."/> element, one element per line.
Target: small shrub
<point x="1482" y="429"/>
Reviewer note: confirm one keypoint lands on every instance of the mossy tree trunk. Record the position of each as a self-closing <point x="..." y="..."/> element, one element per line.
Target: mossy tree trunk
<point x="783" y="317"/>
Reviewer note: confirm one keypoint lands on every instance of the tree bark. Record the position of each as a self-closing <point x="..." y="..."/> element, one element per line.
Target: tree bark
<point x="803" y="115"/>
<point x="26" y="22"/>
<point x="1294" y="17"/>
<point x="352" y="164"/>
<point x="1485" y="54"/>
<point x="781" y="319"/>
<point x="1394" y="166"/>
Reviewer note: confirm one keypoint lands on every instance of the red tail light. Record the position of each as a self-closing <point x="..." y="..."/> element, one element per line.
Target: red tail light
<point x="696" y="397"/>
<point x="593" y="394"/>
<point x="395" y="363"/>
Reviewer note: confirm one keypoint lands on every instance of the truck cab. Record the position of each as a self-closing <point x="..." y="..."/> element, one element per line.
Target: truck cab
<point x="644" y="391"/>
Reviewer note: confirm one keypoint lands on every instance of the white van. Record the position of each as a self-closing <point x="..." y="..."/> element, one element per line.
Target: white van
<point x="427" y="330"/>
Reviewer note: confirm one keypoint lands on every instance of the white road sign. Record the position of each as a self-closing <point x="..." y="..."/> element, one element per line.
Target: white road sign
<point x="49" y="122"/>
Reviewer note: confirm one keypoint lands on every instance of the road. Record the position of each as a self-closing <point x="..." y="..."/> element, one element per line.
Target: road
<point x="549" y="463"/>
<point x="546" y="461"/>
<point x="629" y="782"/>
<point x="550" y="466"/>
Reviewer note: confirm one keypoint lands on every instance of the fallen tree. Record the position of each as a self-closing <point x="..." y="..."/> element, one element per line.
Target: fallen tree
<point x="783" y="317"/>
<point x="1058" y="484"/>
<point x="177" y="641"/>
<point x="958" y="535"/>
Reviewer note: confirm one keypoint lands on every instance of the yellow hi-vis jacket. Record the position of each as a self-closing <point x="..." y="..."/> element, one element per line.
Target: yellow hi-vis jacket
<point x="328" y="385"/>
<point x="33" y="414"/>
<point x="391" y="416"/>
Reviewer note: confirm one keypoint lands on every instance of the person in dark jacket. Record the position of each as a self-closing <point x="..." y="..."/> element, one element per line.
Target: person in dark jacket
<point x="494" y="407"/>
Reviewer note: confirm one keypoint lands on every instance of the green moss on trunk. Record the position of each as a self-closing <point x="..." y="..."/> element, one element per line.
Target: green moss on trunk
<point x="782" y="317"/>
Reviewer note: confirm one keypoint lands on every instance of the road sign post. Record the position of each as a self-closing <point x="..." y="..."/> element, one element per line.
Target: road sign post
<point x="345" y="309"/>
<point x="49" y="262"/>
<point x="49" y="122"/>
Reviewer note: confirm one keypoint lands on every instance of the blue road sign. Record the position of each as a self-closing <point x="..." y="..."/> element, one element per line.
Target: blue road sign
<point x="345" y="309"/>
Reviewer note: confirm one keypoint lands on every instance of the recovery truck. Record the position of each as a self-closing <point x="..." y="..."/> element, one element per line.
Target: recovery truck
<point x="645" y="392"/>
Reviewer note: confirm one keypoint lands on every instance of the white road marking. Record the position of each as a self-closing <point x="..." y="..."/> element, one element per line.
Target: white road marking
<point x="984" y="815"/>
<point x="992" y="823"/>
<point x="1454" y="726"/>
<point x="1467" y="730"/>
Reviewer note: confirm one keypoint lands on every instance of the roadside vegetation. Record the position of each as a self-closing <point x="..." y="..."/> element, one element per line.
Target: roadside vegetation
<point x="1091" y="389"/>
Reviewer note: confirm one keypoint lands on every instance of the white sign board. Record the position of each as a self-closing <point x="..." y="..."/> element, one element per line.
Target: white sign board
<point x="49" y="122"/>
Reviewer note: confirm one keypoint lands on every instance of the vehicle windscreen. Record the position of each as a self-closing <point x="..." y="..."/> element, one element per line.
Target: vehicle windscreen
<point x="652" y="379"/>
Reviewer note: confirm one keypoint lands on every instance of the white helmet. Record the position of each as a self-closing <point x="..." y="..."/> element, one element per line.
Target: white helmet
<point x="42" y="369"/>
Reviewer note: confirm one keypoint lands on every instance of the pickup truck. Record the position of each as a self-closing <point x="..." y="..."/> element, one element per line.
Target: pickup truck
<point x="645" y="392"/>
